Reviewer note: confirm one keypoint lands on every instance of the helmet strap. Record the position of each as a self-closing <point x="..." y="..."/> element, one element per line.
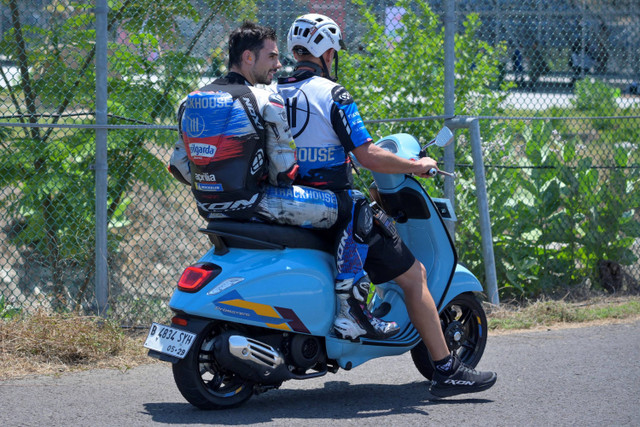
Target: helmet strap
<point x="326" y="71"/>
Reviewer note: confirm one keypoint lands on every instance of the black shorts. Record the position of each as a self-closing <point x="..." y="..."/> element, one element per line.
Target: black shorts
<point x="388" y="257"/>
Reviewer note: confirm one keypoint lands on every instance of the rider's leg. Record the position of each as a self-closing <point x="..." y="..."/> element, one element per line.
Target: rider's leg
<point x="451" y="376"/>
<point x="422" y="310"/>
<point x="390" y="259"/>
<point x="353" y="319"/>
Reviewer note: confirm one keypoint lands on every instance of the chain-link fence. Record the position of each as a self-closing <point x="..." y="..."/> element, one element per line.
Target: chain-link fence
<point x="554" y="84"/>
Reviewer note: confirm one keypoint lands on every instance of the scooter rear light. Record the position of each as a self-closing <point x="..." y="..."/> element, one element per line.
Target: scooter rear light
<point x="179" y="321"/>
<point x="195" y="277"/>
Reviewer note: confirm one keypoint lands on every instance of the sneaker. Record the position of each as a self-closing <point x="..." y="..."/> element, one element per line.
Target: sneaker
<point x="462" y="379"/>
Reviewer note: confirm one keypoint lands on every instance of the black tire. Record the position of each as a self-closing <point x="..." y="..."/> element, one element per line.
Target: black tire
<point x="464" y="325"/>
<point x="203" y="383"/>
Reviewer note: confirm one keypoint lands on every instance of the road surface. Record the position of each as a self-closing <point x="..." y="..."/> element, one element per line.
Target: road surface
<point x="588" y="376"/>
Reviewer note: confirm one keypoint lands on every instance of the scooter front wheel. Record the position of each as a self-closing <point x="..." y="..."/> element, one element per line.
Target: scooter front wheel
<point x="201" y="380"/>
<point x="464" y="324"/>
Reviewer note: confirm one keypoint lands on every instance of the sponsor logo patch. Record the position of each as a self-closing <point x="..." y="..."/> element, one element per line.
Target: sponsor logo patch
<point x="199" y="151"/>
<point x="208" y="187"/>
<point x="205" y="177"/>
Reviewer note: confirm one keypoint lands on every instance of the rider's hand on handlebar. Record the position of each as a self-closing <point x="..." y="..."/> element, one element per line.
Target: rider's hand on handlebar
<point x="427" y="167"/>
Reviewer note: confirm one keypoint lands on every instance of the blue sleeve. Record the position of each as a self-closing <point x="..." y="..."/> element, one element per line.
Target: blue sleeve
<point x="346" y="120"/>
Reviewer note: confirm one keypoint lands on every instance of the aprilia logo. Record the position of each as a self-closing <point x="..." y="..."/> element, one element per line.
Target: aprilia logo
<point x="459" y="382"/>
<point x="252" y="111"/>
<point x="207" y="177"/>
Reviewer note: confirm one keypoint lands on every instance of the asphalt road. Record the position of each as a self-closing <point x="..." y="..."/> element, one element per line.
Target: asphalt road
<point x="586" y="376"/>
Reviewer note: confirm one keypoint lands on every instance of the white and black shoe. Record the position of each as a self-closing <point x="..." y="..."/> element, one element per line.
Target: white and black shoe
<point x="354" y="319"/>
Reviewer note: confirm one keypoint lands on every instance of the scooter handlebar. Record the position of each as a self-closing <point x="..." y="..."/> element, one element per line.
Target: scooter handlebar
<point x="433" y="172"/>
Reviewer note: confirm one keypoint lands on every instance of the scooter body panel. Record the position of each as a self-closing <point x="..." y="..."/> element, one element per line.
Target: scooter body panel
<point x="289" y="290"/>
<point x="463" y="281"/>
<point x="424" y="233"/>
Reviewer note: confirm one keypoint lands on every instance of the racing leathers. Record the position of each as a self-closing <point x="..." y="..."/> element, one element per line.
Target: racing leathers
<point x="326" y="125"/>
<point x="236" y="151"/>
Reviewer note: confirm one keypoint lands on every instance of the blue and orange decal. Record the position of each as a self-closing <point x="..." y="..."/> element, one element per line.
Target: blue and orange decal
<point x="233" y="305"/>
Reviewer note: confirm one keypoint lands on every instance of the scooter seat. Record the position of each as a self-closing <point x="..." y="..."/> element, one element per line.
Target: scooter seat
<point x="256" y="235"/>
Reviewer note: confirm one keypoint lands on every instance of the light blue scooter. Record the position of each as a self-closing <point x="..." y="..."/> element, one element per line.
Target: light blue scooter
<point x="258" y="308"/>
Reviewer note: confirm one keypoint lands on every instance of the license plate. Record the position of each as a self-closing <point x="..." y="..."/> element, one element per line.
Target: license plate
<point x="169" y="340"/>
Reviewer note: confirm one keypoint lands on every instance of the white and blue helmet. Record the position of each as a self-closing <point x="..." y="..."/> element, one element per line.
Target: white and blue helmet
<point x="316" y="33"/>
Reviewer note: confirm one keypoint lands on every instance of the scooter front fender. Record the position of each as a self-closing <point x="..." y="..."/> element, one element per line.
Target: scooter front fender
<point x="463" y="281"/>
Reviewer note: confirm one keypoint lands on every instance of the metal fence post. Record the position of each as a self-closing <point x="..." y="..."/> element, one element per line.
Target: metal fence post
<point x="101" y="277"/>
<point x="449" y="102"/>
<point x="491" y="281"/>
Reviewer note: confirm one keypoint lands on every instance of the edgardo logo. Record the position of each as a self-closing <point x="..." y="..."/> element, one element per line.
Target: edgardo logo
<point x="202" y="150"/>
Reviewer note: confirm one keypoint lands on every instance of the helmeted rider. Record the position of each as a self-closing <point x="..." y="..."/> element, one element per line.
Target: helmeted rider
<point x="324" y="162"/>
<point x="327" y="126"/>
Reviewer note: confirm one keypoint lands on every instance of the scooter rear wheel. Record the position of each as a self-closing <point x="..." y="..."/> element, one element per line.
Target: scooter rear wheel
<point x="464" y="324"/>
<point x="201" y="380"/>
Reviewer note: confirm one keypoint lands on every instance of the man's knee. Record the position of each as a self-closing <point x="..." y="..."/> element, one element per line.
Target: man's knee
<point x="362" y="219"/>
<point x="415" y="276"/>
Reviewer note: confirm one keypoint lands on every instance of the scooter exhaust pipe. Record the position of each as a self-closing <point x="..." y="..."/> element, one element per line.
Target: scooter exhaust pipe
<point x="250" y="350"/>
<point x="250" y="358"/>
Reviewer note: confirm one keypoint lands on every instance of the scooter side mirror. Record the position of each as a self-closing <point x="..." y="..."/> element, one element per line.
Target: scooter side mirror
<point x="444" y="137"/>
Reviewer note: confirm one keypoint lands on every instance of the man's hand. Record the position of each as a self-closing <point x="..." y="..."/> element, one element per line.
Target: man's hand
<point x="424" y="165"/>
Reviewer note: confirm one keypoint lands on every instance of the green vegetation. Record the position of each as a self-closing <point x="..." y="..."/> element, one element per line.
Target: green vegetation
<point x="413" y="69"/>
<point x="564" y="195"/>
<point x="8" y="310"/>
<point x="53" y="202"/>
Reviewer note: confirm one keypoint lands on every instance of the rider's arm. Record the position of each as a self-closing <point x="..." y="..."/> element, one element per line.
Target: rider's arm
<point x="380" y="160"/>
<point x="354" y="137"/>
<point x="280" y="147"/>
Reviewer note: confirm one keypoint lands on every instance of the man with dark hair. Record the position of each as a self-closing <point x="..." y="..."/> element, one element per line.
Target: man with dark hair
<point x="235" y="147"/>
<point x="237" y="153"/>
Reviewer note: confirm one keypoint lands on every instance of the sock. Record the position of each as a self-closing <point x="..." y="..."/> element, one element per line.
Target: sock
<point x="445" y="365"/>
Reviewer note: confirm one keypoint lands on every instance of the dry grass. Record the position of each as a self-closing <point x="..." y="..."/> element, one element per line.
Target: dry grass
<point x="45" y="344"/>
<point x="51" y="344"/>
<point x="554" y="313"/>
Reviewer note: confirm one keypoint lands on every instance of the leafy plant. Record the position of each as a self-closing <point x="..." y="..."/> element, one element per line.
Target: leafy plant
<point x="597" y="98"/>
<point x="411" y="62"/>
<point x="7" y="309"/>
<point x="51" y="169"/>
<point x="559" y="215"/>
